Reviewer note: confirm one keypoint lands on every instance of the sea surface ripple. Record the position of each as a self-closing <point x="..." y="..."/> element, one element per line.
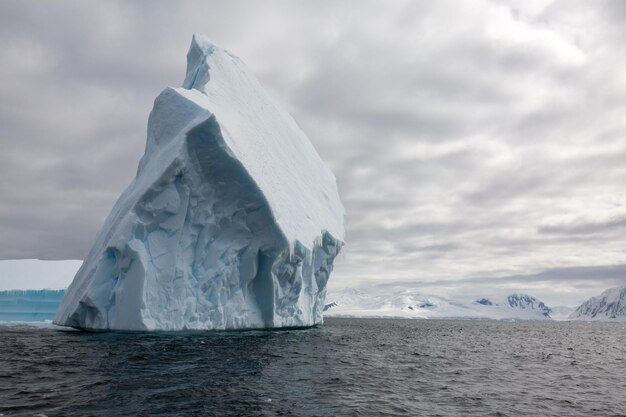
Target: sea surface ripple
<point x="348" y="367"/>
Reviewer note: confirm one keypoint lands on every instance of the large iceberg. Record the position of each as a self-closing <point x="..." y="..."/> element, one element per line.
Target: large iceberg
<point x="232" y="222"/>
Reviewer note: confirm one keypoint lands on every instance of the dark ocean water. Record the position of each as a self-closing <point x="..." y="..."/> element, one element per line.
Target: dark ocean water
<point x="348" y="367"/>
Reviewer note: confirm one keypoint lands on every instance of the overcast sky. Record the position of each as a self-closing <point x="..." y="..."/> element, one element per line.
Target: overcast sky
<point x="479" y="147"/>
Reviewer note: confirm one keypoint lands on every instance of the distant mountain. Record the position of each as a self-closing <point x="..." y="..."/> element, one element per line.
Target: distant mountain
<point x="609" y="306"/>
<point x="352" y="302"/>
<point x="484" y="302"/>
<point x="527" y="302"/>
<point x="329" y="306"/>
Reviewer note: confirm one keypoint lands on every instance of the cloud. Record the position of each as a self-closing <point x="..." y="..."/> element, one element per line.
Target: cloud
<point x="582" y="227"/>
<point x="467" y="139"/>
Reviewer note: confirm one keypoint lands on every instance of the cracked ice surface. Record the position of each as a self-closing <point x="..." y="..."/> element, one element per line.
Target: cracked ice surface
<point x="232" y="222"/>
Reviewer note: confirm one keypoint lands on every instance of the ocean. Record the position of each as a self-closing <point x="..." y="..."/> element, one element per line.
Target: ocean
<point x="347" y="367"/>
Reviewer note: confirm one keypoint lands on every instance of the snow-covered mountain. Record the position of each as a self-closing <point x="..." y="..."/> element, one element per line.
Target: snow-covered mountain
<point x="353" y="302"/>
<point x="608" y="306"/>
<point x="485" y="302"/>
<point x="527" y="302"/>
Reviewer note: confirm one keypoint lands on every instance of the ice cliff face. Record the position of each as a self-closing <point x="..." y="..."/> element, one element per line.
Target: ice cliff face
<point x="232" y="222"/>
<point x="609" y="306"/>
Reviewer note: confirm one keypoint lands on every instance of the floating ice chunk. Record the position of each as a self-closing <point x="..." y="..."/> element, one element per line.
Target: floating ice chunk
<point x="233" y="220"/>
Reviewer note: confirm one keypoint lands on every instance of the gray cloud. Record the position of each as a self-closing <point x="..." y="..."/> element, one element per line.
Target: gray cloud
<point x="579" y="227"/>
<point x="468" y="140"/>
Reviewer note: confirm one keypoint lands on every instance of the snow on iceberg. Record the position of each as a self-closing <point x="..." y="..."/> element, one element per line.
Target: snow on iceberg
<point x="232" y="222"/>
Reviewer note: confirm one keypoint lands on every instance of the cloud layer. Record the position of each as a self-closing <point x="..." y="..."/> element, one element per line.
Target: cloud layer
<point x="470" y="139"/>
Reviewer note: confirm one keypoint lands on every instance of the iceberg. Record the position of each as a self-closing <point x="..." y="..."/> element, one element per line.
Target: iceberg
<point x="232" y="222"/>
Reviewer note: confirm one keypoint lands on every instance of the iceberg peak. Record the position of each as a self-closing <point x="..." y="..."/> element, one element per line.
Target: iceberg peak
<point x="197" y="67"/>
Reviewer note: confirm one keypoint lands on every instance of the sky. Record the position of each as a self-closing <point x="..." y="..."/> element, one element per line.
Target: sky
<point x="479" y="146"/>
